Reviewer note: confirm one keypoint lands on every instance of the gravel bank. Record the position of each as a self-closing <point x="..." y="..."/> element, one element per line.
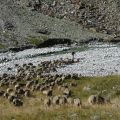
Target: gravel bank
<point x="97" y="60"/>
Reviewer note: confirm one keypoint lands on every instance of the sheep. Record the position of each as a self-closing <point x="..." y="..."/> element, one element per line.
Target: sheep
<point x="47" y="102"/>
<point x="97" y="99"/>
<point x="9" y="90"/>
<point x="11" y="98"/>
<point x="37" y="87"/>
<point x="77" y="102"/>
<point x="17" y="87"/>
<point x="92" y="99"/>
<point x="20" y="91"/>
<point x="29" y="84"/>
<point x="62" y="100"/>
<point x="47" y="92"/>
<point x="27" y="93"/>
<point x="87" y="88"/>
<point x="2" y="93"/>
<point x="73" y="84"/>
<point x="5" y="75"/>
<point x="55" y="100"/>
<point x="17" y="102"/>
<point x="5" y="95"/>
<point x="30" y="64"/>
<point x="67" y="92"/>
<point x="75" y="76"/>
<point x="70" y="100"/>
<point x="13" y="83"/>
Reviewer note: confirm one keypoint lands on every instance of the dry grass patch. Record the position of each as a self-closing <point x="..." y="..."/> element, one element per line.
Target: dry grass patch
<point x="33" y="108"/>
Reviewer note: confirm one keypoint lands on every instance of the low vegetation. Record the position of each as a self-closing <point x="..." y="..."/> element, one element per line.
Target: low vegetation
<point x="33" y="108"/>
<point x="36" y="40"/>
<point x="2" y="46"/>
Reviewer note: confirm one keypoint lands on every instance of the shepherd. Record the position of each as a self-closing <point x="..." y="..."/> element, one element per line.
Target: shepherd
<point x="73" y="56"/>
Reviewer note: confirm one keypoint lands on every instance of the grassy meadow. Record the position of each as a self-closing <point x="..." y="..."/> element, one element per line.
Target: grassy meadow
<point x="33" y="108"/>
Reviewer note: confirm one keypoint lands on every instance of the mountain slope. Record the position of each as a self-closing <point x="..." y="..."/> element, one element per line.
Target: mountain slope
<point x="20" y="26"/>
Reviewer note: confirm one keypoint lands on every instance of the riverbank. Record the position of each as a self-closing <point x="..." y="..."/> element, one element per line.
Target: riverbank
<point x="95" y="59"/>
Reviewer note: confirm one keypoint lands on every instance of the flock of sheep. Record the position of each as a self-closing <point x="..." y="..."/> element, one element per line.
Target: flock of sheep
<point x="30" y="78"/>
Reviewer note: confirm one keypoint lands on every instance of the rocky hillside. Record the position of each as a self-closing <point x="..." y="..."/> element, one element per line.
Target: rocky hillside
<point x="99" y="14"/>
<point x="30" y="22"/>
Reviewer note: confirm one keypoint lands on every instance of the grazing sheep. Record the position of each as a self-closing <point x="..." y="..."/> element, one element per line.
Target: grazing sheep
<point x="14" y="94"/>
<point x="65" y="85"/>
<point x="75" y="76"/>
<point x="2" y="84"/>
<point x="47" y="92"/>
<point x="68" y="76"/>
<point x="27" y="93"/>
<point x="2" y="93"/>
<point x="96" y="99"/>
<point x="33" y="88"/>
<point x="77" y="102"/>
<point x="47" y="102"/>
<point x="30" y="64"/>
<point x="70" y="100"/>
<point x="62" y="100"/>
<point x="100" y="99"/>
<point x="55" y="100"/>
<point x="11" y="98"/>
<point x="5" y="75"/>
<point x="73" y="84"/>
<point x="13" y="83"/>
<point x="5" y="95"/>
<point x="42" y="88"/>
<point x="107" y="100"/>
<point x="20" y="91"/>
<point x="67" y="92"/>
<point x="17" y="102"/>
<point x="29" y="84"/>
<point x="87" y="88"/>
<point x="17" y="87"/>
<point x="92" y="99"/>
<point x="59" y="87"/>
<point x="9" y="90"/>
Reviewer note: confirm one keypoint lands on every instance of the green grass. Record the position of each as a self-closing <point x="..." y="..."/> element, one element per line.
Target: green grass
<point x="2" y="46"/>
<point x="110" y="84"/>
<point x="36" y="40"/>
<point x="33" y="108"/>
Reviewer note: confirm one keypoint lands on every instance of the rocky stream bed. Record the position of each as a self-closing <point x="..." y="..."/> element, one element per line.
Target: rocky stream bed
<point x="95" y="59"/>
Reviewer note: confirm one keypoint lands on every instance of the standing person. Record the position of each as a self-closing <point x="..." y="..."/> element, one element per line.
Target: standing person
<point x="73" y="56"/>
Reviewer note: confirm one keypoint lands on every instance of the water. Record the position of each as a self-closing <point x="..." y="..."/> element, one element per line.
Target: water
<point x="96" y="59"/>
